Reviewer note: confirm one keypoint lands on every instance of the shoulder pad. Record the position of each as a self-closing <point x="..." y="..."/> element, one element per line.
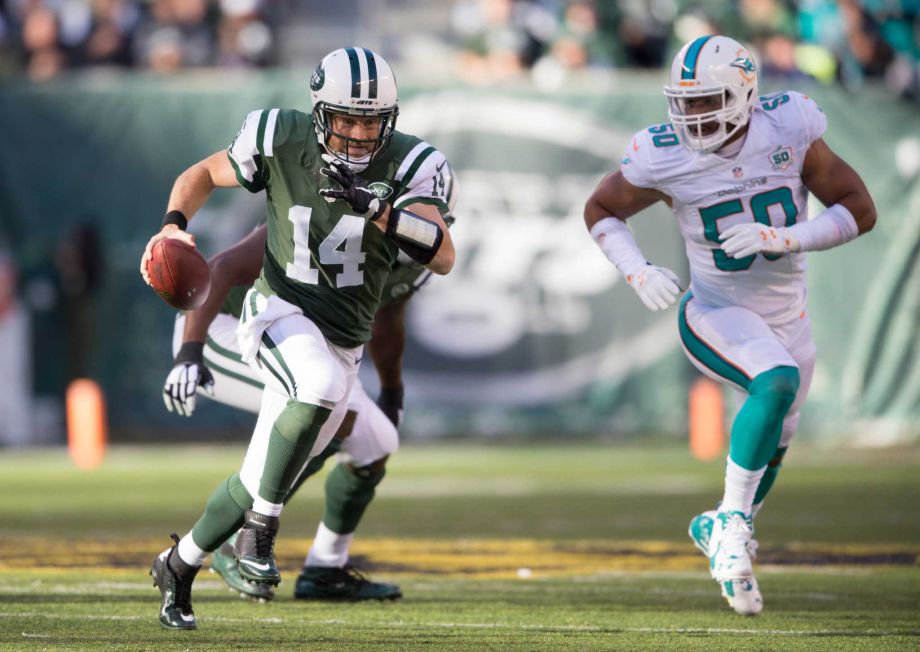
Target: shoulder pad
<point x="796" y="113"/>
<point x="647" y="150"/>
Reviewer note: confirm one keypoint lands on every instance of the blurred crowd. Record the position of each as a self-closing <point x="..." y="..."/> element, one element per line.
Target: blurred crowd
<point x="43" y="38"/>
<point x="847" y="41"/>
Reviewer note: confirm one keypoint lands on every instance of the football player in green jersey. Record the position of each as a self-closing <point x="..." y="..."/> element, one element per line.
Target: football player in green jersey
<point x="207" y="360"/>
<point x="345" y="194"/>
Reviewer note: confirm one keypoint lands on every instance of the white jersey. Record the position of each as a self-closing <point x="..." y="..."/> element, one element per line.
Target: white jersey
<point x="710" y="194"/>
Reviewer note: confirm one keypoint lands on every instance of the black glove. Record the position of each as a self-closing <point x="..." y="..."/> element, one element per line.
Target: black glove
<point x="390" y="403"/>
<point x="188" y="373"/>
<point x="354" y="190"/>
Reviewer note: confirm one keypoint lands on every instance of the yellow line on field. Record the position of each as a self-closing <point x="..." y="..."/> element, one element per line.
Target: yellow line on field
<point x="495" y="558"/>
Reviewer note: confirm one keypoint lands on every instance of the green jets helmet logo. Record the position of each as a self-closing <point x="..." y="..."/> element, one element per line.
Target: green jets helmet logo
<point x="380" y="189"/>
<point x="318" y="78"/>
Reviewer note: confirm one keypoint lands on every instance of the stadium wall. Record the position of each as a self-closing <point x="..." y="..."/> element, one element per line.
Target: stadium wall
<point x="532" y="333"/>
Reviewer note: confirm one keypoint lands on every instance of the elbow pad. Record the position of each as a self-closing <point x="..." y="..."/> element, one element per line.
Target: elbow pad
<point x="418" y="237"/>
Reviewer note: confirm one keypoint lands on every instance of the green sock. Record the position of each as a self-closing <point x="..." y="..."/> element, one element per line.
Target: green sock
<point x="769" y="477"/>
<point x="223" y="514"/>
<point x="759" y="425"/>
<point x="347" y="496"/>
<point x="315" y="465"/>
<point x="289" y="446"/>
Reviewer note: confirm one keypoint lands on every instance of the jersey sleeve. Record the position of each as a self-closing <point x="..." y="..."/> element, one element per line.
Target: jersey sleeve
<point x="425" y="177"/>
<point x="812" y="119"/>
<point x="636" y="164"/>
<point x="253" y="143"/>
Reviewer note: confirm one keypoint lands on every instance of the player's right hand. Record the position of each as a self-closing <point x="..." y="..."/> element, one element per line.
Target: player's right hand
<point x="657" y="287"/>
<point x="168" y="231"/>
<point x="183" y="381"/>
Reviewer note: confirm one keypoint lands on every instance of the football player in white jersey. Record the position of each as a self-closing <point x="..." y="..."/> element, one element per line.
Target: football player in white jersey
<point x="208" y="362"/>
<point x="736" y="169"/>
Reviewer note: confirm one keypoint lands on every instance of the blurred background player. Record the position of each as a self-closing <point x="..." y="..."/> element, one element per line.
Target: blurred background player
<point x="736" y="170"/>
<point x="208" y="361"/>
<point x="345" y="194"/>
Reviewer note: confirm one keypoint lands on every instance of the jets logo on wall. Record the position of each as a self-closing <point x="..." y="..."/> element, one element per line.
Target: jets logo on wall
<point x="533" y="313"/>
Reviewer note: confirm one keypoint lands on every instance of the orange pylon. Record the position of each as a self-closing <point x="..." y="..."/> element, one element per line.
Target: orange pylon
<point x="707" y="419"/>
<point x="86" y="423"/>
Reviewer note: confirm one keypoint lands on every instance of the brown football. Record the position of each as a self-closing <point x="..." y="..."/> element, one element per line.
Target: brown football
<point x="179" y="274"/>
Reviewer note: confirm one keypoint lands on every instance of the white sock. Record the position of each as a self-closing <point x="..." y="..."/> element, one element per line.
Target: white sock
<point x="189" y="552"/>
<point x="740" y="487"/>
<point x="329" y="549"/>
<point x="266" y="508"/>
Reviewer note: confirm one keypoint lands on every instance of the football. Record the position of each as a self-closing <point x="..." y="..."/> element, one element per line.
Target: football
<point x="179" y="274"/>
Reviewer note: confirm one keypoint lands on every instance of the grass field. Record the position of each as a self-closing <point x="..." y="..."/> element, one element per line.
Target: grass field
<point x="599" y="526"/>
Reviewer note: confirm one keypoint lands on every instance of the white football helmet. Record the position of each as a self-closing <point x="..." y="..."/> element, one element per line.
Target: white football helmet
<point x="358" y="82"/>
<point x="712" y="91"/>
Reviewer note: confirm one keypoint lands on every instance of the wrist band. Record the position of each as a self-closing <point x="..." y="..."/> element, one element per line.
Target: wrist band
<point x="177" y="218"/>
<point x="190" y="352"/>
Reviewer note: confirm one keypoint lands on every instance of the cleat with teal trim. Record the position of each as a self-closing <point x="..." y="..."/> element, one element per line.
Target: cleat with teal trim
<point x="174" y="579"/>
<point x="743" y="596"/>
<point x="224" y="564"/>
<point x="254" y="548"/>
<point x="348" y="584"/>
<point x="729" y="558"/>
<point x="700" y="531"/>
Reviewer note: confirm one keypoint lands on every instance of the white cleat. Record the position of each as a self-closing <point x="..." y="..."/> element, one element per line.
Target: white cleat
<point x="743" y="596"/>
<point x="700" y="532"/>
<point x="729" y="557"/>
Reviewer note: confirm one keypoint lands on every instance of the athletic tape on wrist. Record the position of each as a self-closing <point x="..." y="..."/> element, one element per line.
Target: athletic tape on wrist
<point x="618" y="244"/>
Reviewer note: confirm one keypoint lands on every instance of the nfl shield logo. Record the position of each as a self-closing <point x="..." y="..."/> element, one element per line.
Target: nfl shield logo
<point x="738" y="172"/>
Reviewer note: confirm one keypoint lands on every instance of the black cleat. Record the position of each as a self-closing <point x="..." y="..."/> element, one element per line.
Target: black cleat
<point x="174" y="579"/>
<point x="324" y="583"/>
<point x="223" y="562"/>
<point x="254" y="548"/>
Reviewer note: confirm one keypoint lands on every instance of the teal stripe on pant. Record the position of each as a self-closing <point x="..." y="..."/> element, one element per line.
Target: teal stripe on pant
<point x="705" y="354"/>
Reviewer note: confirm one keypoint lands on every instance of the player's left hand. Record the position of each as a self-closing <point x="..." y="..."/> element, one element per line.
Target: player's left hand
<point x="744" y="240"/>
<point x="390" y="403"/>
<point x="183" y="381"/>
<point x="354" y="192"/>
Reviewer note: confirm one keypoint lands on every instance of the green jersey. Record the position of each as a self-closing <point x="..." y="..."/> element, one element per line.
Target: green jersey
<point x="404" y="279"/>
<point x="319" y="257"/>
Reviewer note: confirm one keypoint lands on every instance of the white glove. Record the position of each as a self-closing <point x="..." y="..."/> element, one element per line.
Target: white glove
<point x="747" y="239"/>
<point x="182" y="383"/>
<point x="657" y="287"/>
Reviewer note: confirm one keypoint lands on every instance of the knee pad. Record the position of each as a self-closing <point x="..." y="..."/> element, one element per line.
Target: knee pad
<point x="779" y="382"/>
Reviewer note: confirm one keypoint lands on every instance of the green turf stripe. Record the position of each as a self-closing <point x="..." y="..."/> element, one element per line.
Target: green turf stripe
<point x="705" y="354"/>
